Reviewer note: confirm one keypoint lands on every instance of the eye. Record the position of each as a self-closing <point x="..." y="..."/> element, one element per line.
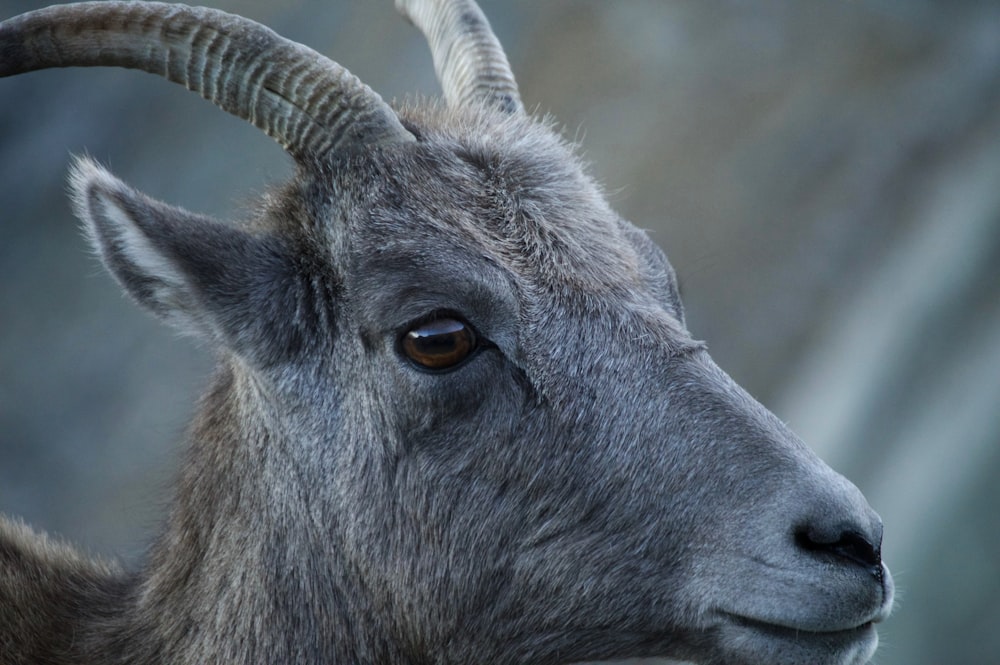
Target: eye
<point x="439" y="344"/>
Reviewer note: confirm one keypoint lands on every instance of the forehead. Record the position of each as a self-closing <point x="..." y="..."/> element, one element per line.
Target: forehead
<point x="499" y="222"/>
<point x="503" y="190"/>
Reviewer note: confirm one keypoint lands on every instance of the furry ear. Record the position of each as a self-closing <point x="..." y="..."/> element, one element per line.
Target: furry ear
<point x="200" y="275"/>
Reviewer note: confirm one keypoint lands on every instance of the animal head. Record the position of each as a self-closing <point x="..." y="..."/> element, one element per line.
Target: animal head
<point x="459" y="401"/>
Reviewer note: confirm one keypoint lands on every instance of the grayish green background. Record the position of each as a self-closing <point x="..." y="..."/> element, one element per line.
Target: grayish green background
<point x="824" y="175"/>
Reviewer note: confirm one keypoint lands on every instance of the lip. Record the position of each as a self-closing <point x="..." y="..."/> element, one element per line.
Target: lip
<point x="817" y="625"/>
<point x="791" y="631"/>
<point x="750" y="641"/>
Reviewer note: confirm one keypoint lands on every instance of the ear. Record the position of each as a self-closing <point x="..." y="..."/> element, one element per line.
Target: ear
<point x="200" y="275"/>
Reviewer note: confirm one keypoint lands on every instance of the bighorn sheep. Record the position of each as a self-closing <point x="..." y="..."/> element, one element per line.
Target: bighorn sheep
<point x="458" y="416"/>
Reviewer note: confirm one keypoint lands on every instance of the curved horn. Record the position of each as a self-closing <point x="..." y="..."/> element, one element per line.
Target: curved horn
<point x="468" y="58"/>
<point x="309" y="104"/>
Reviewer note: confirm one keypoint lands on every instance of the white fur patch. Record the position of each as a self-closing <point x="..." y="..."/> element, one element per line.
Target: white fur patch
<point x="117" y="237"/>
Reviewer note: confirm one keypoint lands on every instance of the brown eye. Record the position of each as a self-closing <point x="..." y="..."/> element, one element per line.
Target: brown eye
<point x="439" y="344"/>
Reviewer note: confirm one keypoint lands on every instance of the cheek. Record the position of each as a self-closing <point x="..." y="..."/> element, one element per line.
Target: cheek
<point x="422" y="477"/>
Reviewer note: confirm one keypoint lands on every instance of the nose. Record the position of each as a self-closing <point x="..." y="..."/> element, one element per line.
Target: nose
<point x="845" y="543"/>
<point x="837" y="524"/>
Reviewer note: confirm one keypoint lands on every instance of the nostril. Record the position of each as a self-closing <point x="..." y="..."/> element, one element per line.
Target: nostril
<point x="846" y="545"/>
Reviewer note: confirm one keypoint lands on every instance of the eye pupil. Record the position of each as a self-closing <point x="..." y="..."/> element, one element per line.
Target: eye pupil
<point x="439" y="344"/>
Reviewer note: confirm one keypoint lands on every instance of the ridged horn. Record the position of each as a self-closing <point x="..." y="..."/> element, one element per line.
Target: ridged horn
<point x="468" y="58"/>
<point x="309" y="104"/>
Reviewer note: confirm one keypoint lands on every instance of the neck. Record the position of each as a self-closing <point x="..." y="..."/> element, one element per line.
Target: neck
<point x="247" y="570"/>
<point x="251" y="572"/>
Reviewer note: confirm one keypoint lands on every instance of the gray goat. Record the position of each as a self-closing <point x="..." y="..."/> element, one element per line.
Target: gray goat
<point x="458" y="416"/>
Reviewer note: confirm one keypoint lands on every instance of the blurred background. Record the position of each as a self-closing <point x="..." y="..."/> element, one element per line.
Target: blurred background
<point x="824" y="175"/>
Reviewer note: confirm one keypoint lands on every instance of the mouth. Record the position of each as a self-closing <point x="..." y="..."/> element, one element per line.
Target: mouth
<point x="829" y="629"/>
<point x="748" y="640"/>
<point x="785" y="631"/>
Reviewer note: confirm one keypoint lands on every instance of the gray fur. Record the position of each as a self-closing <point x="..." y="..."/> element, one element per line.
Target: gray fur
<point x="587" y="485"/>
